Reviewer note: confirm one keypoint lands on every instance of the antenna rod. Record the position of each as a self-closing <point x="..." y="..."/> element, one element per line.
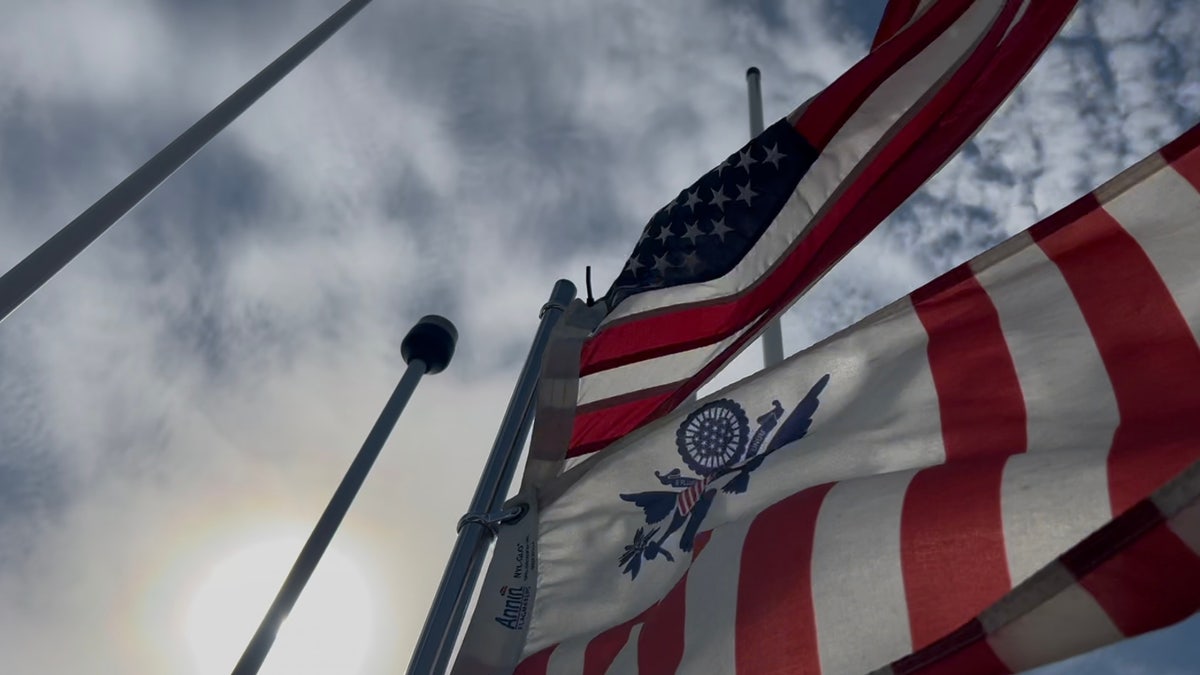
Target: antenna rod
<point x="27" y="276"/>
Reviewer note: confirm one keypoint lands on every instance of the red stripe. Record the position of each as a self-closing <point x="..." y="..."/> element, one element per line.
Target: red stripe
<point x="536" y="664"/>
<point x="830" y="238"/>
<point x="1148" y="349"/>
<point x="1152" y="583"/>
<point x="776" y="625"/>
<point x="829" y="110"/>
<point x="596" y="429"/>
<point x="952" y="546"/>
<point x="895" y="15"/>
<point x="966" y="650"/>
<point x="1183" y="155"/>
<point x="660" y="644"/>
<point x="979" y="396"/>
<point x="602" y="650"/>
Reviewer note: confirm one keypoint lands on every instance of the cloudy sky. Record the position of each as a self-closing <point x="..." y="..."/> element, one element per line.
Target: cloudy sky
<point x="177" y="406"/>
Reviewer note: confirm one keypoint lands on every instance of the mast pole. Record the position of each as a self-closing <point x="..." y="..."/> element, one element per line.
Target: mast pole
<point x="772" y="336"/>
<point x="431" y="656"/>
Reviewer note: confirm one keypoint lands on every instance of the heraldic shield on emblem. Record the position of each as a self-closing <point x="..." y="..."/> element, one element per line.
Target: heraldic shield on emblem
<point x="715" y="443"/>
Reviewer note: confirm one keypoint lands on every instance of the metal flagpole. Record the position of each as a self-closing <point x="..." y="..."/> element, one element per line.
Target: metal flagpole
<point x="38" y="267"/>
<point x="772" y="337"/>
<point x="442" y="625"/>
<point x="427" y="349"/>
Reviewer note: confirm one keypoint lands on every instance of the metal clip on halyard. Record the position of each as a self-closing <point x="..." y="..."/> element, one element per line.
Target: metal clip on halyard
<point x="492" y="521"/>
<point x="552" y="305"/>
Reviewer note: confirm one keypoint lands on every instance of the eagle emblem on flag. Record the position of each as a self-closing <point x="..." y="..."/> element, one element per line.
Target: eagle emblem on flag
<point x="716" y="445"/>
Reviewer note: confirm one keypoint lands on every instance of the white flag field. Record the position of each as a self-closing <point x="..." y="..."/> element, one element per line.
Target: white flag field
<point x="885" y="491"/>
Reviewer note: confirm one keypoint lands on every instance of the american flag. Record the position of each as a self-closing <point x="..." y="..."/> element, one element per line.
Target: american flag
<point x="734" y="249"/>
<point x="703" y="233"/>
<point x="939" y="514"/>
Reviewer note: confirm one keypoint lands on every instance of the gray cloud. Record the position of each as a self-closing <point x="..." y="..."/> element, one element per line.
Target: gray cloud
<point x="212" y="363"/>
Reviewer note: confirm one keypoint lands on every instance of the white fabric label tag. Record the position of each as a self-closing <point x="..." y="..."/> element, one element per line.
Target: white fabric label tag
<point x="496" y="634"/>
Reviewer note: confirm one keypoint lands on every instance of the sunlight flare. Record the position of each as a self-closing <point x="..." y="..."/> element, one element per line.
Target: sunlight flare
<point x="328" y="631"/>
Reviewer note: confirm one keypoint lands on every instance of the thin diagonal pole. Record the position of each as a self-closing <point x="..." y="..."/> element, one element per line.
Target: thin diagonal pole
<point x="20" y="282"/>
<point x="427" y="348"/>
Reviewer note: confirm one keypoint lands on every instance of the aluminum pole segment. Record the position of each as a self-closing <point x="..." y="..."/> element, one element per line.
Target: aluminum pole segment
<point x="318" y="541"/>
<point x="20" y="282"/>
<point x="428" y="348"/>
<point x="431" y="655"/>
<point x="772" y="337"/>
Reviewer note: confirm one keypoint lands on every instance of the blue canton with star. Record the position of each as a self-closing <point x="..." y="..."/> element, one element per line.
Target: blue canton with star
<point x="709" y="227"/>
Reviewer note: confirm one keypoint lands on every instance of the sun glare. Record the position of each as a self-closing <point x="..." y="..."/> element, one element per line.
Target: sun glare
<point x="329" y="631"/>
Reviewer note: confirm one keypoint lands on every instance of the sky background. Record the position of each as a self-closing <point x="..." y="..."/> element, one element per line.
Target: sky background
<point x="196" y="382"/>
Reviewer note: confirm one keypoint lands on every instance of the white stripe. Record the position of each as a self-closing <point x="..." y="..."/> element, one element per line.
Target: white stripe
<point x="1016" y="19"/>
<point x="857" y="579"/>
<point x="711" y="604"/>
<point x="1069" y="400"/>
<point x="1069" y="623"/>
<point x="626" y="661"/>
<point x="1179" y="501"/>
<point x="649" y="373"/>
<point x="861" y="132"/>
<point x="1050" y="502"/>
<point x="1186" y="526"/>
<point x="567" y="658"/>
<point x="1161" y="214"/>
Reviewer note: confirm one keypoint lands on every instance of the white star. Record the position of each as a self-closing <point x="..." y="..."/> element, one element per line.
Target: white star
<point x="720" y="229"/>
<point x="634" y="265"/>
<point x="691" y="262"/>
<point x="773" y="155"/>
<point x="693" y="198"/>
<point x="745" y="194"/>
<point x="693" y="232"/>
<point x="745" y="160"/>
<point x="665" y="234"/>
<point x="661" y="264"/>
<point x="645" y="236"/>
<point x="724" y="165"/>
<point x="718" y="197"/>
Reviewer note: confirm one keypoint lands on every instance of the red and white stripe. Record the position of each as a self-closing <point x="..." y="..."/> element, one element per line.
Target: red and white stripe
<point x="969" y="435"/>
<point x="896" y="15"/>
<point x="1138" y="573"/>
<point x="691" y="495"/>
<point x="882" y="129"/>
